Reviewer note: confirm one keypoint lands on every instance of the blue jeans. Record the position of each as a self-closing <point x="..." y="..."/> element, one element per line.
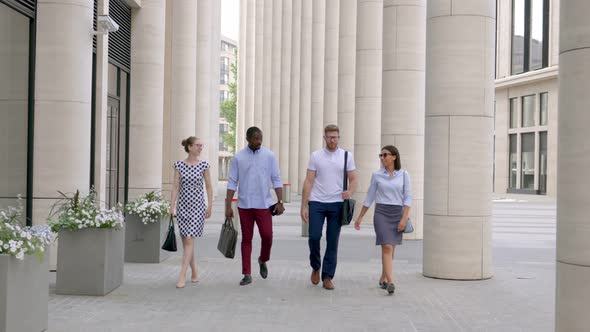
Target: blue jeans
<point x="332" y="212"/>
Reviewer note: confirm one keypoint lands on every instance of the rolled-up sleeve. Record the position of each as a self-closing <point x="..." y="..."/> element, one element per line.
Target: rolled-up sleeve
<point x="232" y="176"/>
<point x="275" y="176"/>
<point x="407" y="200"/>
<point x="371" y="192"/>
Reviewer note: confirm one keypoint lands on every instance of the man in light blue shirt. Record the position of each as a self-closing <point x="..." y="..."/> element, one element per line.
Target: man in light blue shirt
<point x="252" y="172"/>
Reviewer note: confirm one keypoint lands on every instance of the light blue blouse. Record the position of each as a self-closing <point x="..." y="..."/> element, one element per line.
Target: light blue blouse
<point x="389" y="190"/>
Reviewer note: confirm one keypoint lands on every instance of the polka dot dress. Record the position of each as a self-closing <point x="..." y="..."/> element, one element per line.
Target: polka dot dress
<point x="190" y="210"/>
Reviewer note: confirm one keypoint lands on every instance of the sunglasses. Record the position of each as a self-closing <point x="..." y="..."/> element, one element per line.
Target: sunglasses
<point x="384" y="155"/>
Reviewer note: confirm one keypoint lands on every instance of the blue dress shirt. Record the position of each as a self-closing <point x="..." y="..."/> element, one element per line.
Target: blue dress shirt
<point x="252" y="173"/>
<point x="389" y="190"/>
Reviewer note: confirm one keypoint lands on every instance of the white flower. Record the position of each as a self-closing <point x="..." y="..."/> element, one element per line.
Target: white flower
<point x="20" y="255"/>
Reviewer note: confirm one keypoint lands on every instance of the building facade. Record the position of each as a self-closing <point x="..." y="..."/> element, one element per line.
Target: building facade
<point x="84" y="107"/>
<point x="227" y="58"/>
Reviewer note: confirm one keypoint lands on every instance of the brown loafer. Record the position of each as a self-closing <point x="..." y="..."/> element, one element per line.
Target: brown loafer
<point x="328" y="284"/>
<point x="315" y="277"/>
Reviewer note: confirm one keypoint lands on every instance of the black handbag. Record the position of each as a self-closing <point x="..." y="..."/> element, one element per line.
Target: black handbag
<point x="170" y="242"/>
<point x="348" y="204"/>
<point x="228" y="239"/>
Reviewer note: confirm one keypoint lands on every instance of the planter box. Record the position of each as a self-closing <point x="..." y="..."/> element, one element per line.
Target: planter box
<point x="143" y="242"/>
<point x="24" y="294"/>
<point x="89" y="261"/>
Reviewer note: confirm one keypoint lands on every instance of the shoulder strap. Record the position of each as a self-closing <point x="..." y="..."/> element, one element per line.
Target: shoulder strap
<point x="345" y="184"/>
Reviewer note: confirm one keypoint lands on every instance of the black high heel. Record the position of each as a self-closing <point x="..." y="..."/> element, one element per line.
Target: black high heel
<point x="390" y="289"/>
<point x="383" y="284"/>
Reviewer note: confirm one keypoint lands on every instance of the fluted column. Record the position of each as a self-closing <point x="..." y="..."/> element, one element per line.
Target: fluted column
<point x="573" y="248"/>
<point x="369" y="52"/>
<point x="276" y="82"/>
<point x="266" y="72"/>
<point x="180" y="82"/>
<point x="347" y="72"/>
<point x="331" y="62"/>
<point x="295" y="95"/>
<point x="250" y="77"/>
<point x="458" y="139"/>
<point x="285" y="107"/>
<point x="204" y="76"/>
<point x="305" y="88"/>
<point x="63" y="83"/>
<point x="318" y="50"/>
<point x="402" y="124"/>
<point x="147" y="97"/>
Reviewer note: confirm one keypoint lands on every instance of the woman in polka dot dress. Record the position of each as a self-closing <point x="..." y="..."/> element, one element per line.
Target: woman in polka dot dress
<point x="188" y="202"/>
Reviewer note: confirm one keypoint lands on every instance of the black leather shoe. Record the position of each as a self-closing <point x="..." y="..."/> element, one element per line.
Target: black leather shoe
<point x="390" y="289"/>
<point x="246" y="280"/>
<point x="383" y="284"/>
<point x="263" y="269"/>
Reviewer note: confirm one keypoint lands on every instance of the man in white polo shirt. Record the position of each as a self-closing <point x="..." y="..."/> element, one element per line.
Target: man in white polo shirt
<point x="323" y="195"/>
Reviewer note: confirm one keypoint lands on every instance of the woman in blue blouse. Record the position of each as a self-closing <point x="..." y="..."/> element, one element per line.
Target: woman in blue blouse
<point x="390" y="189"/>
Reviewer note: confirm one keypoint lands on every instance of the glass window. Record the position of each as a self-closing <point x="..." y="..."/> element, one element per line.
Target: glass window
<point x="113" y="77"/>
<point x="518" y="36"/>
<point x="544" y="98"/>
<point x="528" y="111"/>
<point x="512" y="161"/>
<point x="527" y="160"/>
<point x="513" y="112"/>
<point x="14" y="105"/>
<point x="543" y="162"/>
<point x="536" y="44"/>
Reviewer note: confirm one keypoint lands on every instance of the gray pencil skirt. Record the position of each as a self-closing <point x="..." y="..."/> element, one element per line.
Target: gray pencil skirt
<point x="386" y="219"/>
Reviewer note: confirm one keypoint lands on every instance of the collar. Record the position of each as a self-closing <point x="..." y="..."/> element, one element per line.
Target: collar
<point x="395" y="172"/>
<point x="331" y="152"/>
<point x="253" y="151"/>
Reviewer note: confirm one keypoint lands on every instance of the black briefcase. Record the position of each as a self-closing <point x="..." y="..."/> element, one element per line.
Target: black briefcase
<point x="228" y="239"/>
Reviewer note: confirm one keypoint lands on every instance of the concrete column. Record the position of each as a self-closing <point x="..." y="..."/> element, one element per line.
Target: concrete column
<point x="258" y="63"/>
<point x="458" y="139"/>
<point x="266" y="72"/>
<point x="63" y="83"/>
<point x="305" y="88"/>
<point x="14" y="104"/>
<point x="402" y="123"/>
<point x="101" y="109"/>
<point x="331" y="62"/>
<point x="295" y="95"/>
<point x="215" y="47"/>
<point x="285" y="107"/>
<point x="180" y="81"/>
<point x="147" y="97"/>
<point x="242" y="68"/>
<point x="573" y="248"/>
<point x="347" y="72"/>
<point x="250" y="50"/>
<point x="318" y="50"/>
<point x="369" y="71"/>
<point x="276" y="82"/>
<point x="204" y="77"/>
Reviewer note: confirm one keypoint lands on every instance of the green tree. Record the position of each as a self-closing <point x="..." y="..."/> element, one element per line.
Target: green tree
<point x="228" y="106"/>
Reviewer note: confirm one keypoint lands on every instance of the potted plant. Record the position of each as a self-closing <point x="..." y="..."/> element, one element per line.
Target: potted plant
<point x="91" y="245"/>
<point x="145" y="228"/>
<point x="24" y="273"/>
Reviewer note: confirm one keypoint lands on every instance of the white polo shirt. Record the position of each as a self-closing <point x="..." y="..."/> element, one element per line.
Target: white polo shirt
<point x="329" y="176"/>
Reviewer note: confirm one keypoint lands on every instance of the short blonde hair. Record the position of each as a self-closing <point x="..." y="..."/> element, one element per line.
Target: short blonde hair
<point x="331" y="127"/>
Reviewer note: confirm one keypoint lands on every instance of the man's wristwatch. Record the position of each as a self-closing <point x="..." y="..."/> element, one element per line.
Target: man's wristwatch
<point x="280" y="201"/>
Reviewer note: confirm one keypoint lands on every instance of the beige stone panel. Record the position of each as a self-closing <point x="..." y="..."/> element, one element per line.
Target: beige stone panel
<point x="487" y="250"/>
<point x="552" y="139"/>
<point x="403" y="102"/>
<point x="332" y="44"/>
<point x="504" y="42"/>
<point x="436" y="165"/>
<point x="14" y="56"/>
<point x="390" y="37"/>
<point x="573" y="228"/>
<point x="241" y="81"/>
<point x="258" y="63"/>
<point x="205" y="75"/>
<point x="474" y="7"/>
<point x="295" y="98"/>
<point x="368" y="130"/>
<point x="571" y="299"/>
<point x="501" y="142"/>
<point x="347" y="71"/>
<point x="366" y="162"/>
<point x="305" y="87"/>
<point x="370" y="15"/>
<point x="61" y="66"/>
<point x="411" y="149"/>
<point x="456" y="46"/>
<point x="388" y="3"/>
<point x="437" y="8"/>
<point x="13" y="147"/>
<point x="554" y="32"/>
<point x="266" y="68"/>
<point x="63" y="150"/>
<point x="276" y="84"/>
<point x="346" y="124"/>
<point x="410" y="44"/>
<point x="318" y="74"/>
<point x="575" y="33"/>
<point x="470" y="166"/>
<point x="453" y="247"/>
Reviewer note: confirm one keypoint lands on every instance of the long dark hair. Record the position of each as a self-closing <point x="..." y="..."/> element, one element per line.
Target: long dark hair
<point x="393" y="150"/>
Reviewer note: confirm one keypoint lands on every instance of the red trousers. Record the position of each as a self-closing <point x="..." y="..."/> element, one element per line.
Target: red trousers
<point x="263" y="219"/>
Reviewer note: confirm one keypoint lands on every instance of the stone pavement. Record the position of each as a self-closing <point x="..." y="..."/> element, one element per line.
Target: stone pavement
<point x="520" y="296"/>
